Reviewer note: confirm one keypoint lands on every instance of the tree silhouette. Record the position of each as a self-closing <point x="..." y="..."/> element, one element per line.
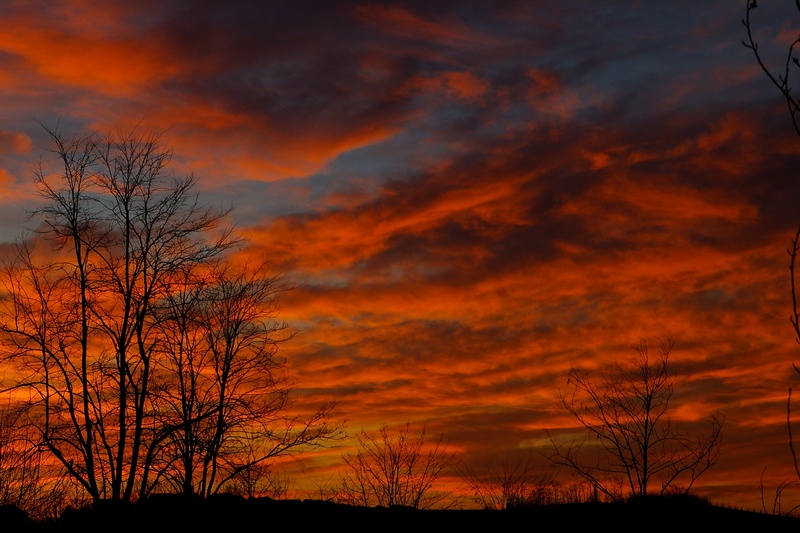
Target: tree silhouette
<point x="781" y="79"/>
<point x="396" y="469"/>
<point x="224" y="415"/>
<point x="27" y="481"/>
<point x="632" y="442"/>
<point x="121" y="392"/>
<point x="509" y="484"/>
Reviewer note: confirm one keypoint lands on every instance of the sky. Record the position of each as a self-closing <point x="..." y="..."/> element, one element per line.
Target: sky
<point x="471" y="197"/>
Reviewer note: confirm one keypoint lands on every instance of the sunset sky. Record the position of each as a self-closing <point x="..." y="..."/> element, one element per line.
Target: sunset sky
<point x="471" y="196"/>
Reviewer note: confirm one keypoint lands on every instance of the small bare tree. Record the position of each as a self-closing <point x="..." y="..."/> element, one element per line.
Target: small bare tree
<point x="510" y="484"/>
<point x="626" y="415"/>
<point x="260" y="480"/>
<point x="27" y="480"/>
<point x="396" y="469"/>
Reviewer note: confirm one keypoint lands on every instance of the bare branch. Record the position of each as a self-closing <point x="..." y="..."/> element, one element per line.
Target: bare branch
<point x="625" y="413"/>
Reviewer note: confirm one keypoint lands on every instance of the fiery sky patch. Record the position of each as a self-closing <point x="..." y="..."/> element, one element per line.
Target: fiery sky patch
<point x="470" y="196"/>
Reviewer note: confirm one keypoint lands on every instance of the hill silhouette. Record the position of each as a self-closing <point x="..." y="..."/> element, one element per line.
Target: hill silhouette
<point x="231" y="514"/>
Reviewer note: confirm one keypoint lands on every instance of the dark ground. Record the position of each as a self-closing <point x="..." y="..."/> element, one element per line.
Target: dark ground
<point x="228" y="514"/>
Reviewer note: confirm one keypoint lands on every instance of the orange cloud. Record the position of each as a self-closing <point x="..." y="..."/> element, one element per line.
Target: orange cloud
<point x="87" y="56"/>
<point x="339" y="239"/>
<point x="547" y="94"/>
<point x="461" y="85"/>
<point x="396" y="20"/>
<point x="14" y="142"/>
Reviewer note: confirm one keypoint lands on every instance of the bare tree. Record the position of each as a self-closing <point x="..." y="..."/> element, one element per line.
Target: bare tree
<point x="78" y="321"/>
<point x="260" y="480"/>
<point x="396" y="469"/>
<point x="27" y="480"/>
<point x="92" y="328"/>
<point x="781" y="78"/>
<point x="511" y="484"/>
<point x="782" y="502"/>
<point x="631" y="437"/>
<point x="223" y="411"/>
